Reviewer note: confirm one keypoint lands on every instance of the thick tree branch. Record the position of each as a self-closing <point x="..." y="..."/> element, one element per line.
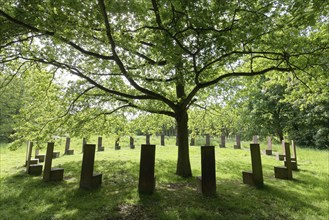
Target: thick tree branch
<point x="132" y="105"/>
<point x="235" y="74"/>
<point x="122" y="67"/>
<point x="7" y="81"/>
<point x="209" y="64"/>
<point x="114" y="110"/>
<point x="229" y="75"/>
<point x="71" y="106"/>
<point x="151" y="61"/>
<point x="161" y="112"/>
<point x="77" y="72"/>
<point x="157" y="13"/>
<point x="146" y="58"/>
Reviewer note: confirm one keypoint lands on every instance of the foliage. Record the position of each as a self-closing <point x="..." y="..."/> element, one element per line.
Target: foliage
<point x="151" y="124"/>
<point x="310" y="124"/>
<point x="41" y="98"/>
<point x="214" y="120"/>
<point x="271" y="106"/>
<point x="11" y="101"/>
<point x="263" y="108"/>
<point x="160" y="56"/>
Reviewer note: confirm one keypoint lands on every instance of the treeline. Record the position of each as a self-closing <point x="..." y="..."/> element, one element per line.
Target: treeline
<point x="264" y="106"/>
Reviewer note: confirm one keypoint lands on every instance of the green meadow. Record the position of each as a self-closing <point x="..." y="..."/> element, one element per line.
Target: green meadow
<point x="28" y="197"/>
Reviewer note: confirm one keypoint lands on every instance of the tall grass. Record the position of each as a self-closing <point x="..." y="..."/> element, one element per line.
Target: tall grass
<point x="27" y="197"/>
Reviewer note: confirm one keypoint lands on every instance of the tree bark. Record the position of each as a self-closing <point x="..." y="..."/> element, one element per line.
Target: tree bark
<point x="192" y="142"/>
<point x="280" y="134"/>
<point x="147" y="138"/>
<point x="183" y="161"/>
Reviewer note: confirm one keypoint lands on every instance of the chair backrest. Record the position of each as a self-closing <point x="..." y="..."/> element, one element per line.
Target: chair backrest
<point x="208" y="169"/>
<point x="29" y="155"/>
<point x="256" y="162"/>
<point x="146" y="168"/>
<point x="48" y="161"/>
<point x="87" y="168"/>
<point x="67" y="144"/>
<point x="288" y="160"/>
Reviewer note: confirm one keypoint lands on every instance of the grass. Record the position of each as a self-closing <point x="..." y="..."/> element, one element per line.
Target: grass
<point x="26" y="197"/>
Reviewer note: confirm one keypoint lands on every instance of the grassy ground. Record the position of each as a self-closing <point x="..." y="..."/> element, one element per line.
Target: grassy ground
<point x="26" y="197"/>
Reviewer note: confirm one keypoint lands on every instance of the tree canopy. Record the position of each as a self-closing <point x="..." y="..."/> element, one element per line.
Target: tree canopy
<point x="161" y="56"/>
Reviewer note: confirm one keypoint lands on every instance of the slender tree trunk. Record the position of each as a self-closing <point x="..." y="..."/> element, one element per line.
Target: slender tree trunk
<point x="192" y="142"/>
<point x="281" y="136"/>
<point x="279" y="132"/>
<point x="183" y="161"/>
<point x="148" y="139"/>
<point x="278" y="125"/>
<point x="162" y="140"/>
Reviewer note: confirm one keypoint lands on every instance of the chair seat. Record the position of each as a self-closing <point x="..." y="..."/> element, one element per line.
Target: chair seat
<point x="248" y="178"/>
<point x="56" y="174"/>
<point x="35" y="169"/>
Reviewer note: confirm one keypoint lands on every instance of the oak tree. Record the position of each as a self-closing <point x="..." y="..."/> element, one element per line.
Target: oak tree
<point x="158" y="56"/>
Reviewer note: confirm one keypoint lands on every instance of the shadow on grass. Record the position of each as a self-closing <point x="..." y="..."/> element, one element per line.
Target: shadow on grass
<point x="175" y="198"/>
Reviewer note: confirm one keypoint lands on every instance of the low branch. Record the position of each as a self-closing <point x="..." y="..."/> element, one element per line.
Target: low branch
<point x="11" y="78"/>
<point x="71" y="106"/>
<point x="77" y="72"/>
<point x="20" y="40"/>
<point x="228" y="75"/>
<point x="240" y="53"/>
<point x="235" y="74"/>
<point x="161" y="112"/>
<point x="67" y="111"/>
<point x="114" y="110"/>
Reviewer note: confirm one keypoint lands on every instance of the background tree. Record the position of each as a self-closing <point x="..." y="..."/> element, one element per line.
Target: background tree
<point x="40" y="109"/>
<point x="158" y="56"/>
<point x="264" y="108"/>
<point x="309" y="97"/>
<point x="11" y="101"/>
<point x="286" y="109"/>
<point x="152" y="124"/>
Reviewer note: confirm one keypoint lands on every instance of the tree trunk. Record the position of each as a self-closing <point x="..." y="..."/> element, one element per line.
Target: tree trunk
<point x="280" y="134"/>
<point x="281" y="137"/>
<point x="278" y="125"/>
<point x="148" y="139"/>
<point x="183" y="161"/>
<point x="192" y="142"/>
<point x="162" y="140"/>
